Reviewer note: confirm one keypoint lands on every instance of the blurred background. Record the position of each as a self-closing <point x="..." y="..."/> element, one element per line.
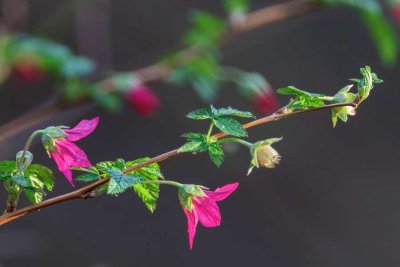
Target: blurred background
<point x="333" y="200"/>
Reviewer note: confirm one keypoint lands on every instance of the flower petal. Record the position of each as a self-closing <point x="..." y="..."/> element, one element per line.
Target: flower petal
<point x="221" y="193"/>
<point x="72" y="154"/>
<point x="207" y="211"/>
<point x="192" y="224"/>
<point x="62" y="166"/>
<point x="84" y="128"/>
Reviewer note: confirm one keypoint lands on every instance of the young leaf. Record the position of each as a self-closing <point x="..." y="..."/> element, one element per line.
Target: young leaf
<point x="230" y="126"/>
<point x="303" y="100"/>
<point x="147" y="192"/>
<point x="34" y="195"/>
<point x="119" y="182"/>
<point x="233" y="112"/>
<point x="197" y="143"/>
<point x="43" y="174"/>
<point x="216" y="153"/>
<point x="7" y="168"/>
<point x="21" y="180"/>
<point x="200" y="114"/>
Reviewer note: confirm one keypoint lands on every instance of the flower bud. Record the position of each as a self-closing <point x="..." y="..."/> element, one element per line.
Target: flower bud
<point x="343" y="96"/>
<point x="23" y="163"/>
<point x="264" y="155"/>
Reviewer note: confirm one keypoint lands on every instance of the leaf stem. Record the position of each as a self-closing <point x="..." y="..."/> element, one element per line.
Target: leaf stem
<point x="236" y="140"/>
<point x="166" y="182"/>
<point x="210" y="130"/>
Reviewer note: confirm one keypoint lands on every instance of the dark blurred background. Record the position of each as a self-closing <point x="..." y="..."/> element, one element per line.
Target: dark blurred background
<point x="333" y="201"/>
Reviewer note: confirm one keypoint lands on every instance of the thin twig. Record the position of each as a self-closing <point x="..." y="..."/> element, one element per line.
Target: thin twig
<point x="160" y="70"/>
<point x="85" y="192"/>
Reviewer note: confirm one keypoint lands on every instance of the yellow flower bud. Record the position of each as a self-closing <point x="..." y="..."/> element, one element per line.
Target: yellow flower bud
<point x="264" y="155"/>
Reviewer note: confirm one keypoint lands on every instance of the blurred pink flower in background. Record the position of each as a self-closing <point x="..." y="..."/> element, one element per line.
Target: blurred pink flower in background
<point x="143" y="100"/>
<point x="265" y="101"/>
<point x="27" y="71"/>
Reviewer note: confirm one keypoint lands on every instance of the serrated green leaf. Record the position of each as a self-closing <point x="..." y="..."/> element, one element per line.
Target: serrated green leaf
<point x="216" y="153"/>
<point x="234" y="112"/>
<point x="230" y="126"/>
<point x="20" y="180"/>
<point x="119" y="182"/>
<point x="200" y="114"/>
<point x="88" y="177"/>
<point x="34" y="196"/>
<point x="7" y="169"/>
<point x="197" y="143"/>
<point x="147" y="192"/>
<point x="291" y="90"/>
<point x="42" y="173"/>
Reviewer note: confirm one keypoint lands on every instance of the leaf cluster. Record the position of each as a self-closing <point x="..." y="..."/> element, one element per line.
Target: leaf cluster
<point x="33" y="181"/>
<point x="120" y="180"/>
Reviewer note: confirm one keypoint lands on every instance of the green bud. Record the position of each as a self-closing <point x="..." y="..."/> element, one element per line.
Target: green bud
<point x="264" y="155"/>
<point x="48" y="142"/>
<point x="343" y="96"/>
<point x="23" y="163"/>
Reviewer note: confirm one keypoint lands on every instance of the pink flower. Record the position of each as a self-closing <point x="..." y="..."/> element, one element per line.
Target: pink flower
<point x="143" y="100"/>
<point x="396" y="12"/>
<point x="266" y="102"/>
<point x="28" y="71"/>
<point x="62" y="149"/>
<point x="205" y="209"/>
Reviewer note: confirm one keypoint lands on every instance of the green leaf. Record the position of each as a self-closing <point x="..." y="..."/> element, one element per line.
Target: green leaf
<point x="200" y="114"/>
<point x="34" y="195"/>
<point x="197" y="143"/>
<point x="21" y="180"/>
<point x="230" y="126"/>
<point x="119" y="182"/>
<point x="236" y="5"/>
<point x="233" y="112"/>
<point x="111" y="102"/>
<point x="216" y="153"/>
<point x="384" y="36"/>
<point x="206" y="29"/>
<point x="147" y="192"/>
<point x="303" y="100"/>
<point x="7" y="169"/>
<point x="44" y="174"/>
<point x="88" y="177"/>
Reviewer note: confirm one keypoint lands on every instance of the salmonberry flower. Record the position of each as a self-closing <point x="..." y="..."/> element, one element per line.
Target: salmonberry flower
<point x="143" y="100"/>
<point x="200" y="204"/>
<point x="266" y="101"/>
<point x="264" y="155"/>
<point x="58" y="142"/>
<point x="28" y="71"/>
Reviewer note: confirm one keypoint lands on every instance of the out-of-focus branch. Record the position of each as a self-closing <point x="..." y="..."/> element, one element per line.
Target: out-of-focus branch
<point x="88" y="191"/>
<point x="160" y="70"/>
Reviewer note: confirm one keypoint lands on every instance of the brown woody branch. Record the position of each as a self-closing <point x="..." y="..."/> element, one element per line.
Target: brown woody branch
<point x="159" y="71"/>
<point x="87" y="191"/>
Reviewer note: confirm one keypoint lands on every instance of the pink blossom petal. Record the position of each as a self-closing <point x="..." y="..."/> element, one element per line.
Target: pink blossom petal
<point x="192" y="224"/>
<point x="144" y="101"/>
<point x="62" y="166"/>
<point x="84" y="128"/>
<point x="72" y="154"/>
<point x="207" y="211"/>
<point x="221" y="193"/>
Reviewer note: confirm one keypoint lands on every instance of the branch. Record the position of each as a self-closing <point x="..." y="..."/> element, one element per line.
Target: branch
<point x="159" y="71"/>
<point x="87" y="191"/>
